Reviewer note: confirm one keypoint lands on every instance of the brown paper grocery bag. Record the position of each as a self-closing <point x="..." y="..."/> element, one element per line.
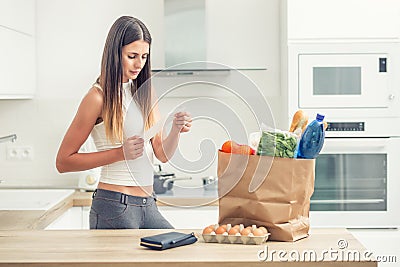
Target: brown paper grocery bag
<point x="268" y="191"/>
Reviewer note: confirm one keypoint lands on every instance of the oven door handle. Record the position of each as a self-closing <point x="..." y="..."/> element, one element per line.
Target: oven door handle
<point x="347" y="201"/>
<point x="346" y="144"/>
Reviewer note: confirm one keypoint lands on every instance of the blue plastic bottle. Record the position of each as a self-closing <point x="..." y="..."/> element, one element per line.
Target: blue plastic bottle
<point x="312" y="140"/>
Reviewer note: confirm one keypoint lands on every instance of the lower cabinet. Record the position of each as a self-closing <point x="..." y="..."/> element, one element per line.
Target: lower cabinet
<point x="73" y="219"/>
<point x="85" y="217"/>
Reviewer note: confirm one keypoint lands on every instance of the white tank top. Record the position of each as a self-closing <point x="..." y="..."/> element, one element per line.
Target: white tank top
<point x="138" y="172"/>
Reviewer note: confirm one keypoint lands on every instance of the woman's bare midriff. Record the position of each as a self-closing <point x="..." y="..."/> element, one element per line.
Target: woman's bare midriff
<point x="140" y="191"/>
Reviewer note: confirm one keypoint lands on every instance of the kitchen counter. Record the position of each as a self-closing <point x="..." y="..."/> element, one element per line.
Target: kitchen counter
<point x="121" y="248"/>
<point x="20" y="245"/>
<point x="35" y="219"/>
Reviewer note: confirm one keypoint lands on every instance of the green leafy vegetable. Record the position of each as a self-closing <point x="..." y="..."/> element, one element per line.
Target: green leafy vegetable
<point x="278" y="144"/>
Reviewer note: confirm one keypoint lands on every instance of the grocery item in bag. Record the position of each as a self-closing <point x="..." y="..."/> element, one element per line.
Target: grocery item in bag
<point x="312" y="140"/>
<point x="231" y="146"/>
<point x="299" y="122"/>
<point x="277" y="144"/>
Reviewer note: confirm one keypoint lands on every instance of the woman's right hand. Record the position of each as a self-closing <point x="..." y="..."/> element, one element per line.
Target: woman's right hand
<point x="133" y="147"/>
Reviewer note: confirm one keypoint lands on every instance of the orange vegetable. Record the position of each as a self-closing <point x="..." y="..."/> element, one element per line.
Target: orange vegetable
<point x="300" y="120"/>
<point x="243" y="149"/>
<point x="227" y="146"/>
<point x="235" y="148"/>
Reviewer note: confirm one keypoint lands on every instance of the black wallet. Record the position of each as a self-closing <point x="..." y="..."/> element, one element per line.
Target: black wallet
<point x="167" y="240"/>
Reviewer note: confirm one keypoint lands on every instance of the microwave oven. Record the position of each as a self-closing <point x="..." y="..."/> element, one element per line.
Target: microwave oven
<point x="347" y="82"/>
<point x="343" y="81"/>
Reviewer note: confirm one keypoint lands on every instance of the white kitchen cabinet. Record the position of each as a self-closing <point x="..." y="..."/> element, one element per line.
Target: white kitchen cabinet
<point x="17" y="65"/>
<point x="18" y="15"/>
<point x="85" y="217"/>
<point x="17" y="49"/>
<point x="73" y="218"/>
<point x="342" y="19"/>
<point x="190" y="218"/>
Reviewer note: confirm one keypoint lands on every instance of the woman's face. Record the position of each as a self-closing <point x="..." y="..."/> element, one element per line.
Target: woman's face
<point x="134" y="56"/>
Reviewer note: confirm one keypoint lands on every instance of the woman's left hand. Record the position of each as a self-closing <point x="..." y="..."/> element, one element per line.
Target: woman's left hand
<point x="182" y="122"/>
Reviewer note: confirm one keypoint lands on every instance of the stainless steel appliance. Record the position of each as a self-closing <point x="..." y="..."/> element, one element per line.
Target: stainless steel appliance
<point x="164" y="181"/>
<point x="210" y="183"/>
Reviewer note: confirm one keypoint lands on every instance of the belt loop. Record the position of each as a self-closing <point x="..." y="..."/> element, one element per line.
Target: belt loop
<point x="124" y="199"/>
<point x="94" y="193"/>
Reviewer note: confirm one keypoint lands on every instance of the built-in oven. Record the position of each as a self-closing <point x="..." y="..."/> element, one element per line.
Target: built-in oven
<point x="356" y="86"/>
<point x="356" y="183"/>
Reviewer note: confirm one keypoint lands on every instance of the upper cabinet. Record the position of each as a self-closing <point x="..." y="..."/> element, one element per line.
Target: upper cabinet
<point x="17" y="65"/>
<point x="232" y="33"/>
<point x="17" y="49"/>
<point x="342" y="19"/>
<point x="18" y="15"/>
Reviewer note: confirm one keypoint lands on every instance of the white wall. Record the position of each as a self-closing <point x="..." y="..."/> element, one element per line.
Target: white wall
<point x="70" y="36"/>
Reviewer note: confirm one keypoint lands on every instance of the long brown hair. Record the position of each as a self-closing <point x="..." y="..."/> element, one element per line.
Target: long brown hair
<point x="125" y="30"/>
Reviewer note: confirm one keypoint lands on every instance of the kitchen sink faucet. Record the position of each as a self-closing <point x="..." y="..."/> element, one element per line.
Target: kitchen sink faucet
<point x="12" y="138"/>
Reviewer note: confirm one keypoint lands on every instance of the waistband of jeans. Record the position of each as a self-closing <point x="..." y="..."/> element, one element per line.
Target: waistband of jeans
<point x="123" y="198"/>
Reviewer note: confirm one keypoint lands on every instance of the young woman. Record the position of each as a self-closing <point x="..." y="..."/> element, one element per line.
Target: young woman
<point x="124" y="197"/>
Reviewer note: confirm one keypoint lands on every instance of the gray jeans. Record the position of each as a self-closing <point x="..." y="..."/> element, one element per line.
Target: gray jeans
<point x="114" y="210"/>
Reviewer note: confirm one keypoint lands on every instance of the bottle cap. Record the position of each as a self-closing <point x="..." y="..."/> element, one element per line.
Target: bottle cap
<point x="320" y="117"/>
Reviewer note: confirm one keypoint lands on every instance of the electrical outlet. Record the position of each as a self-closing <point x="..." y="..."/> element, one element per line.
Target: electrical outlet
<point x="20" y="153"/>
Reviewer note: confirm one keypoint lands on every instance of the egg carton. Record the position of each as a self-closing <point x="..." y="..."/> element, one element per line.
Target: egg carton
<point x="235" y="239"/>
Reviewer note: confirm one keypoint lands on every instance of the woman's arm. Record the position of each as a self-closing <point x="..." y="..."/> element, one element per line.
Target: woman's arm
<point x="68" y="158"/>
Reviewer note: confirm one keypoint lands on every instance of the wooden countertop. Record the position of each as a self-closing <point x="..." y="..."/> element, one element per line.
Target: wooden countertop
<point x="34" y="219"/>
<point x="20" y="245"/>
<point x="121" y="248"/>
